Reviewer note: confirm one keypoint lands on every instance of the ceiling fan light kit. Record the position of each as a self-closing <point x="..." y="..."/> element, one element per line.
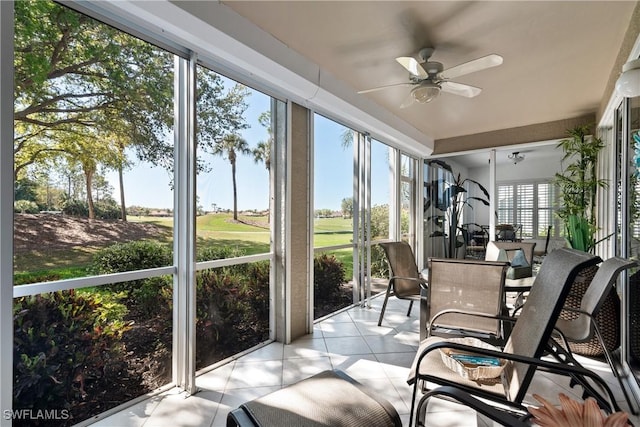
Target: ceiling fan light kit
<point x="429" y="78"/>
<point x="425" y="92"/>
<point x="516" y="157"/>
<point x="628" y="83"/>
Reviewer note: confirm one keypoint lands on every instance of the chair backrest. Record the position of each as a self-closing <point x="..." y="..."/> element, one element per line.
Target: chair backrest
<point x="468" y="285"/>
<point x="535" y="324"/>
<point x="596" y="293"/>
<point x="493" y="249"/>
<point x="546" y="242"/>
<point x="402" y="264"/>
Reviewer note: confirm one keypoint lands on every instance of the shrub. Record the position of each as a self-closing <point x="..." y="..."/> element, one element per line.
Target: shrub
<point x="25" y="206"/>
<point x="210" y="253"/>
<point x="75" y="207"/>
<point x="379" y="264"/>
<point x="147" y="296"/>
<point x="137" y="255"/>
<point x="328" y="276"/>
<point x="64" y="346"/>
<point x="232" y="311"/>
<point x="107" y="210"/>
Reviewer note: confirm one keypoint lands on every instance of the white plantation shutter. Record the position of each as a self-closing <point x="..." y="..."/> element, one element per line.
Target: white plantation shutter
<point x="524" y="208"/>
<point x="505" y="204"/>
<point x="545" y="207"/>
<point x="529" y="204"/>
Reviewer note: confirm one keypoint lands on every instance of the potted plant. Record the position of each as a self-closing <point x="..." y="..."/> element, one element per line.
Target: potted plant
<point x="578" y="184"/>
<point x="449" y="198"/>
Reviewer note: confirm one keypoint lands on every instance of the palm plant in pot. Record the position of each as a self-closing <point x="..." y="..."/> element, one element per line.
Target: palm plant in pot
<point x="578" y="184"/>
<point x="449" y="198"/>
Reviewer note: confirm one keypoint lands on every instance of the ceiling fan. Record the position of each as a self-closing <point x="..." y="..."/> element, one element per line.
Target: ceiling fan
<point x="429" y="78"/>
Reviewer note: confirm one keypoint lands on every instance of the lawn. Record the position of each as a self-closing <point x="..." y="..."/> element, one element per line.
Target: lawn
<point x="48" y="260"/>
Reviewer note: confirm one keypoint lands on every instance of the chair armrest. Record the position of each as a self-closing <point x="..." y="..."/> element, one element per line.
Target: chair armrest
<point x="558" y="368"/>
<point x="474" y="313"/>
<point x="502" y="417"/>
<point x="422" y="282"/>
<point x="577" y="310"/>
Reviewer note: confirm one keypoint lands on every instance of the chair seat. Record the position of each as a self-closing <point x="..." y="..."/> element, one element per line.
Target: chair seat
<point x="433" y="364"/>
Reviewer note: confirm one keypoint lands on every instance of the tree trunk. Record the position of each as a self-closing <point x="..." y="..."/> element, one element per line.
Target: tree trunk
<point x="235" y="193"/>
<point x="89" y="182"/>
<point x="123" y="209"/>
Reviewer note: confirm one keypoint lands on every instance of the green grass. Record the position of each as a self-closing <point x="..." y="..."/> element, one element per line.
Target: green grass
<point x="332" y="231"/>
<point x="332" y="225"/>
<point x="251" y="234"/>
<point x="49" y="275"/>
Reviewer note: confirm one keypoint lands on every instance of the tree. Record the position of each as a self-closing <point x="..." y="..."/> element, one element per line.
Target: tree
<point x="347" y="207"/>
<point x="82" y="149"/>
<point x="230" y="146"/>
<point x="74" y="74"/>
<point x="262" y="152"/>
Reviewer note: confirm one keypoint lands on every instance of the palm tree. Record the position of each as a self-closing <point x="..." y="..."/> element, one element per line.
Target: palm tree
<point x="230" y="146"/>
<point x="262" y="153"/>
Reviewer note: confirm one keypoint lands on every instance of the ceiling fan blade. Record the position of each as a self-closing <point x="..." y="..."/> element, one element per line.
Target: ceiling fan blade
<point x="385" y="87"/>
<point x="412" y="66"/>
<point x="485" y="62"/>
<point x="460" y="89"/>
<point x="408" y="102"/>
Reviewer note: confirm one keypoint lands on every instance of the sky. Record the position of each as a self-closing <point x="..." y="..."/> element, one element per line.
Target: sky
<point x="149" y="186"/>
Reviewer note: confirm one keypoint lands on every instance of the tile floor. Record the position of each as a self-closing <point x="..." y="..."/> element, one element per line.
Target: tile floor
<point x="378" y="357"/>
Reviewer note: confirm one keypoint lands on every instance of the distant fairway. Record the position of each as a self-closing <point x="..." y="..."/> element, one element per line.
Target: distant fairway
<point x="332" y="231"/>
<point x="251" y="234"/>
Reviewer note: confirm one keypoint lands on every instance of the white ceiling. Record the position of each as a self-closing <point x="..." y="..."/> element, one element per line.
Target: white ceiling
<point x="534" y="151"/>
<point x="558" y="55"/>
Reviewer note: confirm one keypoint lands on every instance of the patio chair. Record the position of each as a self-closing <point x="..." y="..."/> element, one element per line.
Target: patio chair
<point x="529" y="339"/>
<point x="538" y="255"/>
<point x="584" y="327"/>
<point x="405" y="280"/>
<point x="457" y="285"/>
<point x="507" y="251"/>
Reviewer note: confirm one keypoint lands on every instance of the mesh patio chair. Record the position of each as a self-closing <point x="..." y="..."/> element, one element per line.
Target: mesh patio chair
<point x="584" y="328"/>
<point x="457" y="287"/>
<point x="529" y="339"/>
<point x="509" y="249"/>
<point x="405" y="280"/>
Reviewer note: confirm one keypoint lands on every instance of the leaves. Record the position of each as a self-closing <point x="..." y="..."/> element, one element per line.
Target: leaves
<point x="578" y="184"/>
<point x="574" y="414"/>
<point x="453" y="200"/>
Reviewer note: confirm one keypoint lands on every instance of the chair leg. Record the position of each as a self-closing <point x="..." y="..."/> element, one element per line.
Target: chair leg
<point x="410" y="305"/>
<point x="384" y="304"/>
<point x="563" y="355"/>
<point x="632" y="405"/>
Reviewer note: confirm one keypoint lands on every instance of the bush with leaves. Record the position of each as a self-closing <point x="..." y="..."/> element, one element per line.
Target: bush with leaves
<point x="25" y="206"/>
<point x="328" y="277"/>
<point x="147" y="296"/>
<point x="66" y="347"/>
<point x="232" y="310"/>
